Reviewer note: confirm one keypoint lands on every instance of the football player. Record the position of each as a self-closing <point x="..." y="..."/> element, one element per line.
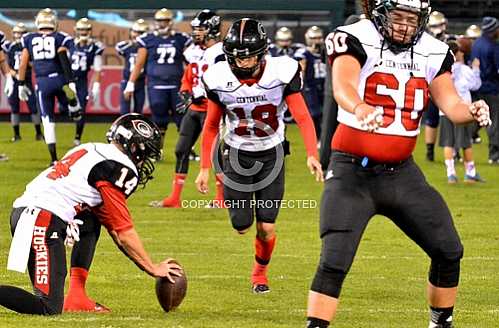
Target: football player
<point x="93" y="175"/>
<point x="205" y="50"/>
<point x="48" y="50"/>
<point x="313" y="63"/>
<point x="283" y="44"/>
<point x="85" y="53"/>
<point x="9" y="81"/>
<point x="13" y="51"/>
<point x="251" y="91"/>
<point x="160" y="53"/>
<point x="128" y="49"/>
<point x="393" y="66"/>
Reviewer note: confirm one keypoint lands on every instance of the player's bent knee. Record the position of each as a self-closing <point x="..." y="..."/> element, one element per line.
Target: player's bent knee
<point x="444" y="270"/>
<point x="328" y="281"/>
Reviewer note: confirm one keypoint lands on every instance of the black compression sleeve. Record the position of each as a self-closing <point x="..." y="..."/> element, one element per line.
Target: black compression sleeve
<point x="66" y="65"/>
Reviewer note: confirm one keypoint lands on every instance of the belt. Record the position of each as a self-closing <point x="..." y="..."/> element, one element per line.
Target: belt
<point x="365" y="162"/>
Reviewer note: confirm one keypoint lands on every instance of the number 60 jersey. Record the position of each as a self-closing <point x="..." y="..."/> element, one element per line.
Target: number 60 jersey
<point x="396" y="84"/>
<point x="75" y="181"/>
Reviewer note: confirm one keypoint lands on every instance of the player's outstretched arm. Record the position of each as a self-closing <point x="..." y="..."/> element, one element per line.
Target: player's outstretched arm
<point x="446" y="98"/>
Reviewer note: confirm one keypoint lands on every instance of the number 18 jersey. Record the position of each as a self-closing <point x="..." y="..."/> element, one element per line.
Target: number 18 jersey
<point x="73" y="182"/>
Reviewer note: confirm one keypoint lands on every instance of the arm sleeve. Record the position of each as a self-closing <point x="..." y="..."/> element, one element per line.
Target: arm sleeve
<point x="341" y="43"/>
<point x="187" y="79"/>
<point x="113" y="213"/>
<point x="210" y="131"/>
<point x="299" y="111"/>
<point x="446" y="64"/>
<point x="66" y="65"/>
<point x="296" y="83"/>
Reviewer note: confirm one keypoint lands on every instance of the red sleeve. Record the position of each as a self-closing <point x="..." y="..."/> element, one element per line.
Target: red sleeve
<point x="187" y="80"/>
<point x="210" y="131"/>
<point x="299" y="111"/>
<point x="113" y="213"/>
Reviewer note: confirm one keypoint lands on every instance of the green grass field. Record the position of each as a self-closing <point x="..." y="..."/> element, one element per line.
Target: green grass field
<point x="385" y="288"/>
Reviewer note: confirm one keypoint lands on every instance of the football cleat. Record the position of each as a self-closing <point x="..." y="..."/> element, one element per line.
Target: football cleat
<point x="97" y="308"/>
<point x="16" y="138"/>
<point x="193" y="156"/>
<point x="3" y="158"/>
<point x="261" y="289"/>
<point x="76" y="142"/>
<point x="473" y="179"/>
<point x="39" y="137"/>
<point x="167" y="202"/>
<point x="452" y="179"/>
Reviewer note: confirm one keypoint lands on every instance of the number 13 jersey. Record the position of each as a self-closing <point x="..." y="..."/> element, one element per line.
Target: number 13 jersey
<point x="73" y="182"/>
<point x="396" y="84"/>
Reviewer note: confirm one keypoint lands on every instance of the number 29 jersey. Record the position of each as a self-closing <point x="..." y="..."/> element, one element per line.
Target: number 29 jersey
<point x="254" y="112"/>
<point x="73" y="182"/>
<point x="396" y="84"/>
<point x="42" y="50"/>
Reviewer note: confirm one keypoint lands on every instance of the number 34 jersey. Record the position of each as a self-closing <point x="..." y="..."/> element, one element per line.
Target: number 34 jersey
<point x="73" y="182"/>
<point x="397" y="84"/>
<point x="254" y="111"/>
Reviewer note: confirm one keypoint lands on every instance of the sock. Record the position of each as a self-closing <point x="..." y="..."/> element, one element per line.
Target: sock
<point x="52" y="151"/>
<point x="16" y="130"/>
<point x="77" y="296"/>
<point x="219" y="186"/>
<point x="470" y="168"/>
<point x="263" y="253"/>
<point x="178" y="184"/>
<point x="316" y="323"/>
<point x="35" y="118"/>
<point x="79" y="129"/>
<point x="38" y="129"/>
<point x="451" y="170"/>
<point x="430" y="148"/>
<point x="440" y="316"/>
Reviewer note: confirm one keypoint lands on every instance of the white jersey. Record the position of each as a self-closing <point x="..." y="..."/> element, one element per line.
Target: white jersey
<point x="397" y="81"/>
<point x="71" y="184"/>
<point x="193" y="53"/>
<point x="254" y="113"/>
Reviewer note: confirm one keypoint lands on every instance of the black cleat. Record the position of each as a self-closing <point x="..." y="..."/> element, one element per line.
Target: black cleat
<point x="261" y="289"/>
<point x="39" y="137"/>
<point x="16" y="138"/>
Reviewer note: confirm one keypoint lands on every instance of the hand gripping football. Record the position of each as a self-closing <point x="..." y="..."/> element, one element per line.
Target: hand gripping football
<point x="171" y="295"/>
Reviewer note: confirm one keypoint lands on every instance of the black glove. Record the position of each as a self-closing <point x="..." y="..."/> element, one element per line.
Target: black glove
<point x="185" y="100"/>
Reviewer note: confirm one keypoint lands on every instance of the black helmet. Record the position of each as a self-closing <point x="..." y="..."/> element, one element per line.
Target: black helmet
<point x="208" y="20"/>
<point x="246" y="38"/>
<point x="141" y="142"/>
<point x="381" y="19"/>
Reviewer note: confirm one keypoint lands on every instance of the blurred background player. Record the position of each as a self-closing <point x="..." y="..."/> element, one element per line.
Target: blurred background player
<point x="283" y="44"/>
<point x="160" y="53"/>
<point x="205" y="51"/>
<point x="48" y="50"/>
<point x="455" y="137"/>
<point x="250" y="92"/>
<point x="437" y="27"/>
<point x="128" y="50"/>
<point x="9" y="81"/>
<point x="94" y="175"/>
<point x="486" y="49"/>
<point x="86" y="53"/>
<point x="313" y="63"/>
<point x="13" y="51"/>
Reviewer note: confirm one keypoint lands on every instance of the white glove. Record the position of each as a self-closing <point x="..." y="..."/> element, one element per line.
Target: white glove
<point x="9" y="85"/>
<point x="95" y="90"/>
<point x="130" y="87"/>
<point x="24" y="92"/>
<point x="73" y="232"/>
<point x="480" y="111"/>
<point x="72" y="86"/>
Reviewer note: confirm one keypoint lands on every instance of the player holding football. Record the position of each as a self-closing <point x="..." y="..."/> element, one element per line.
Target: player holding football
<point x="48" y="50"/>
<point x="85" y="53"/>
<point x="205" y="51"/>
<point x="95" y="176"/>
<point x="13" y="51"/>
<point x="160" y="53"/>
<point x="392" y="65"/>
<point x="251" y="92"/>
<point x="128" y="50"/>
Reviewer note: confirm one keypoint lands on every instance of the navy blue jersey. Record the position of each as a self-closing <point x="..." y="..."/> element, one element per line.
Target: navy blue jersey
<point x="315" y="69"/>
<point x="165" y="59"/>
<point x="82" y="57"/>
<point x="128" y="50"/>
<point x="42" y="50"/>
<point x="276" y="51"/>
<point x="13" y="52"/>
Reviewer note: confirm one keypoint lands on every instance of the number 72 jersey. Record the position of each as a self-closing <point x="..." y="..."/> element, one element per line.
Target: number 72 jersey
<point x="396" y="84"/>
<point x="42" y="50"/>
<point x="73" y="182"/>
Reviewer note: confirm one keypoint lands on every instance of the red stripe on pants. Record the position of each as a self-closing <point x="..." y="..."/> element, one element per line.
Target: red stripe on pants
<point x="42" y="258"/>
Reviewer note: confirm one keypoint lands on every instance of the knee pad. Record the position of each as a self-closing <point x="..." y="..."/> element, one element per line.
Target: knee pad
<point x="328" y="281"/>
<point x="444" y="273"/>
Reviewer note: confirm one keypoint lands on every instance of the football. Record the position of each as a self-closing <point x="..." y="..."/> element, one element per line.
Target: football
<point x="171" y="295"/>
